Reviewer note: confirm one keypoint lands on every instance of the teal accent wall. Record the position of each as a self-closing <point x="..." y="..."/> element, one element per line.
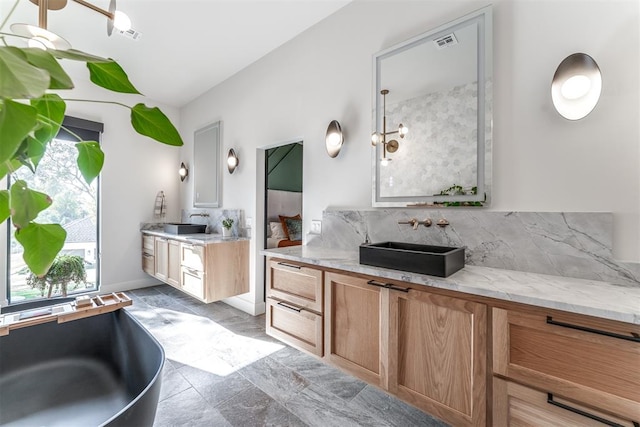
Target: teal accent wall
<point x="284" y="168"/>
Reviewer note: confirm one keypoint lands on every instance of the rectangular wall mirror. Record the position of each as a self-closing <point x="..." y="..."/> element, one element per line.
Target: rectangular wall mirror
<point x="438" y="86"/>
<point x="206" y="167"/>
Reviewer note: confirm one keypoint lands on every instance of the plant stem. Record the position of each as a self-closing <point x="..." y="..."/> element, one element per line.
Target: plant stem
<point x="99" y="102"/>
<point x="47" y="119"/>
<point x="9" y="14"/>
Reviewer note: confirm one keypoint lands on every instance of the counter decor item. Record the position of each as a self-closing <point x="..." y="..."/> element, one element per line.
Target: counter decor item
<point x="227" y="223"/>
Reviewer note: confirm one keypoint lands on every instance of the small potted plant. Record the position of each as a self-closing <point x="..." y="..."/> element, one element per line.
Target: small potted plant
<point x="65" y="269"/>
<point x="227" y="223"/>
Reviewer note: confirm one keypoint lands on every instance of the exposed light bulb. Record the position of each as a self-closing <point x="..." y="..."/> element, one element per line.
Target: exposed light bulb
<point x="333" y="139"/>
<point x="121" y="21"/>
<point x="384" y="161"/>
<point x="402" y="130"/>
<point x="576" y="87"/>
<point x="182" y="172"/>
<point x="232" y="162"/>
<point x="375" y="138"/>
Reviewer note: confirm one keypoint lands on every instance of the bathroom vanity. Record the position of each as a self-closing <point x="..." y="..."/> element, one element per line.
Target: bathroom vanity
<point x="207" y="267"/>
<point x="484" y="346"/>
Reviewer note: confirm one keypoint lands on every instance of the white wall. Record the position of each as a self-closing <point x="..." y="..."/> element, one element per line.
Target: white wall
<point x="135" y="169"/>
<point x="541" y="161"/>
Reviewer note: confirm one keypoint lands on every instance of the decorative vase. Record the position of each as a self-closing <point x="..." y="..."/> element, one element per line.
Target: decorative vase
<point x="226" y="232"/>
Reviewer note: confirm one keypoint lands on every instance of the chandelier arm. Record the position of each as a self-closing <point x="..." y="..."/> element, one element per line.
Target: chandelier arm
<point x="43" y="7"/>
<point x="93" y="7"/>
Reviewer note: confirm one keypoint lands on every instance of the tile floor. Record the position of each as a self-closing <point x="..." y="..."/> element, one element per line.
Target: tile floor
<point x="223" y="370"/>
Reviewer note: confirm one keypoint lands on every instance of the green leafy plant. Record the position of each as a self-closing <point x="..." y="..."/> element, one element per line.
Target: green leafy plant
<point x="457" y="190"/>
<point x="227" y="223"/>
<point x="64" y="270"/>
<point x="31" y="116"/>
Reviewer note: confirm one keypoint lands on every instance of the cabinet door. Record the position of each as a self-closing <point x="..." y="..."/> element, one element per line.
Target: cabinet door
<point x="593" y="361"/>
<point x="173" y="266"/>
<point x="437" y="355"/>
<point x="355" y="324"/>
<point x="516" y="405"/>
<point x="162" y="258"/>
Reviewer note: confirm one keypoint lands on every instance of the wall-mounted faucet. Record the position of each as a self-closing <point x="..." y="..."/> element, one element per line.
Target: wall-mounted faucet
<point x="414" y="222"/>
<point x="202" y="214"/>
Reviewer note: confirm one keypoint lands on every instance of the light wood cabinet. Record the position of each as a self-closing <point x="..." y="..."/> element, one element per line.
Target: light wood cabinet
<point x="592" y="362"/>
<point x="148" y="258"/>
<point x="517" y="405"/>
<point x="294" y="305"/>
<point x="173" y="263"/>
<point x="355" y="326"/>
<point x="437" y="353"/>
<point x="297" y="326"/>
<point x="208" y="272"/>
<point x="161" y="258"/>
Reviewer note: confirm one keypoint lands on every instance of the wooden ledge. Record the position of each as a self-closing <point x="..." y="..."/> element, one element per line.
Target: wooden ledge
<point x="65" y="312"/>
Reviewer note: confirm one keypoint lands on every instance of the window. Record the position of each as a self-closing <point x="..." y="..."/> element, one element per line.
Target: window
<point x="75" y="206"/>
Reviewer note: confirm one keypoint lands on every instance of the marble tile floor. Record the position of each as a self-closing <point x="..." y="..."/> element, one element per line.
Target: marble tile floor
<point x="222" y="369"/>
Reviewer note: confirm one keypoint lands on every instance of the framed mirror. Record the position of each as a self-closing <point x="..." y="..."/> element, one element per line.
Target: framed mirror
<point x="206" y="167"/>
<point x="433" y="116"/>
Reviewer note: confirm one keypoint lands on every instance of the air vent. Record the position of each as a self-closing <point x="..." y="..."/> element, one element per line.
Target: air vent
<point x="130" y="34"/>
<point x="446" y="41"/>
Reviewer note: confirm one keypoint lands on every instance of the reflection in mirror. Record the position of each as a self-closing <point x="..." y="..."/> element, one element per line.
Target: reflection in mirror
<point x="206" y="167"/>
<point x="431" y="86"/>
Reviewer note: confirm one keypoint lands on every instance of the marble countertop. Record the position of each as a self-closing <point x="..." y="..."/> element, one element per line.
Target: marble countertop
<point x="196" y="238"/>
<point x="589" y="297"/>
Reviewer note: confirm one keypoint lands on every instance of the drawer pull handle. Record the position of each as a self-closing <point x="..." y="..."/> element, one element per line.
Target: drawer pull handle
<point x="633" y="338"/>
<point x="378" y="284"/>
<point x="288" y="307"/>
<point x="387" y="286"/>
<point x="583" y="413"/>
<point x="284" y="264"/>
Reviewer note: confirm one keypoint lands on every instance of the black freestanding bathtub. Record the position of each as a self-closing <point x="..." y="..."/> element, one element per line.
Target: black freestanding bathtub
<point x="103" y="370"/>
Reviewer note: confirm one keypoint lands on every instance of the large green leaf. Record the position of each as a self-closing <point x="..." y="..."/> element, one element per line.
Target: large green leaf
<point x="110" y="75"/>
<point x="77" y="55"/>
<point x="153" y="123"/>
<point x="41" y="243"/>
<point x="18" y="78"/>
<point x="16" y="121"/>
<point x="51" y="109"/>
<point x="90" y="159"/>
<point x="26" y="204"/>
<point x="5" y="211"/>
<point x="45" y="61"/>
<point x="9" y="166"/>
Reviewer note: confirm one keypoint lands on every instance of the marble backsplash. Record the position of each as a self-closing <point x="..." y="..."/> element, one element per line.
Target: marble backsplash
<point x="562" y="244"/>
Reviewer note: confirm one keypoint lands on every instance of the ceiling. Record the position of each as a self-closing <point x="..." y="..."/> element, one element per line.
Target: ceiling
<point x="187" y="46"/>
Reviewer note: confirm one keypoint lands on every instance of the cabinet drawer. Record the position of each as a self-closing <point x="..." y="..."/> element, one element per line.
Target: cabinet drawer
<point x="192" y="256"/>
<point x="586" y="359"/>
<point x="295" y="326"/>
<point x="518" y="405"/>
<point x="148" y="244"/>
<point x="295" y="283"/>
<point x="148" y="264"/>
<point x="193" y="282"/>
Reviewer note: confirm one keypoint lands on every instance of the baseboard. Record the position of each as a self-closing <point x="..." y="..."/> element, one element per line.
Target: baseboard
<point x="127" y="286"/>
<point x="254" y="309"/>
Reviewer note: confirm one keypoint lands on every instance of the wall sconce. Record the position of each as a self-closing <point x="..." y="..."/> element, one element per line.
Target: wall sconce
<point x="576" y="86"/>
<point x="334" y="138"/>
<point x="232" y="161"/>
<point x="390" y="146"/>
<point x="183" y="172"/>
<point x="42" y="38"/>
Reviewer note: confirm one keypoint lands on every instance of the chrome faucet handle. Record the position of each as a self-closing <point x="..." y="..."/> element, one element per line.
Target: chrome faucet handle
<point x="414" y="222"/>
<point x="427" y="222"/>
